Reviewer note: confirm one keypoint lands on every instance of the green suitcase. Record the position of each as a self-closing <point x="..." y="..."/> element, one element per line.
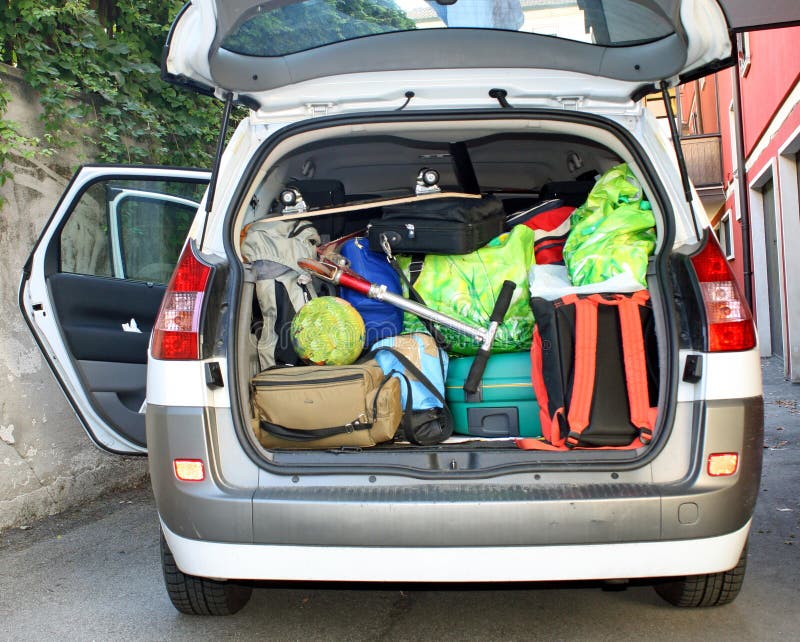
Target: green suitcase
<point x="505" y="404"/>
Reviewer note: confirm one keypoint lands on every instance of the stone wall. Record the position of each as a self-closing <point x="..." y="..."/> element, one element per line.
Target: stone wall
<point x="47" y="462"/>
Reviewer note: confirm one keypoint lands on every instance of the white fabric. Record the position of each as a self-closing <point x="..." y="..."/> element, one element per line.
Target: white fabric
<point x="551" y="282"/>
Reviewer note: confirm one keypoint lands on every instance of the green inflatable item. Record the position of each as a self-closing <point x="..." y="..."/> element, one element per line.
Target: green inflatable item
<point x="465" y="286"/>
<point x="328" y="331"/>
<point x="613" y="232"/>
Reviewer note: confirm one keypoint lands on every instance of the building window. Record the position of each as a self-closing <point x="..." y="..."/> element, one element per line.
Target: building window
<point x="725" y="235"/>
<point x="693" y="127"/>
<point x="743" y="40"/>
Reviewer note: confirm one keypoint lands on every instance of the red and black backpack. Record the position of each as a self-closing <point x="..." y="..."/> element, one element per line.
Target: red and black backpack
<point x="595" y="371"/>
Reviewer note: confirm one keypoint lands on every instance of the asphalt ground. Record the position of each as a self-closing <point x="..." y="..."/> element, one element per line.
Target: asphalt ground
<point x="94" y="574"/>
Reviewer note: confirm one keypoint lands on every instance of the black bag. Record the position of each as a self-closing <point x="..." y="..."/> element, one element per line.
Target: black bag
<point x="319" y="192"/>
<point x="425" y="427"/>
<point x="450" y="225"/>
<point x="572" y="193"/>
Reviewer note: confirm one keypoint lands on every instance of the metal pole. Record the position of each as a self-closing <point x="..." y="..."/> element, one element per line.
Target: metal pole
<point x="744" y="201"/>
<point x="381" y="294"/>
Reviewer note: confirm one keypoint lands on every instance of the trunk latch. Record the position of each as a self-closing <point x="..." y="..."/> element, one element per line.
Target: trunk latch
<point x="570" y="103"/>
<point x="319" y="109"/>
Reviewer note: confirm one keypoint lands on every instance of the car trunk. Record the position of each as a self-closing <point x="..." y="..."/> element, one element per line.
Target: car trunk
<point x="522" y="158"/>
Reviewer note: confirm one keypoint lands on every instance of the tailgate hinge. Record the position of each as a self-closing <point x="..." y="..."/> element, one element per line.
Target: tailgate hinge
<point x="318" y="109"/>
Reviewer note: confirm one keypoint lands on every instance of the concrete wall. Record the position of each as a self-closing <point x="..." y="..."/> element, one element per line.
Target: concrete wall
<point x="47" y="463"/>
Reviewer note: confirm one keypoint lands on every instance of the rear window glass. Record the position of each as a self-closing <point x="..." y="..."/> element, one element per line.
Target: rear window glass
<point x="307" y="24"/>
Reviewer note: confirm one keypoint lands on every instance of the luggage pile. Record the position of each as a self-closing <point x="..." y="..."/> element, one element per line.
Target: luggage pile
<point x="450" y="317"/>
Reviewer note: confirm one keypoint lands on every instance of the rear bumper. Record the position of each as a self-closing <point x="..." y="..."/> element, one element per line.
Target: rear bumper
<point x="457" y="564"/>
<point x="399" y="513"/>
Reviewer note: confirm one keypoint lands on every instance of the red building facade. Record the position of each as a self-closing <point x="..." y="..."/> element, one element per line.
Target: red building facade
<point x="756" y="211"/>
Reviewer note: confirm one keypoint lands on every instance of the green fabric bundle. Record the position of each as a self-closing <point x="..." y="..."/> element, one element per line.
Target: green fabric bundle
<point x="613" y="232"/>
<point x="465" y="286"/>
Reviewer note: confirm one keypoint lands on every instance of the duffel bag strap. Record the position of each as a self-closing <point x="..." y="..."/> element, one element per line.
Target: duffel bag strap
<point x="417" y="374"/>
<point x="416" y="424"/>
<point x="415" y="268"/>
<point x="410" y="367"/>
<point x="294" y="434"/>
<point x="361" y="422"/>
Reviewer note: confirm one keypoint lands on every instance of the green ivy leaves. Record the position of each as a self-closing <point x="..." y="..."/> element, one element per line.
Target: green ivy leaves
<point x="96" y="66"/>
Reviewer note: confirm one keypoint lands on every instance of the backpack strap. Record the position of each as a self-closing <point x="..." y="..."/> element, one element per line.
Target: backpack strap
<point x="634" y="360"/>
<point x="551" y="425"/>
<point x="533" y="443"/>
<point x="299" y="227"/>
<point x="585" y="370"/>
<point x="636" y="363"/>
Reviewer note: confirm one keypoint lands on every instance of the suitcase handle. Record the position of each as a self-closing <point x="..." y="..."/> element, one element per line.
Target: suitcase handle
<point x="501" y="306"/>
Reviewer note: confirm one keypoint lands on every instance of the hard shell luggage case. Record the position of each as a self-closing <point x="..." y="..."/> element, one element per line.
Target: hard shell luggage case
<point x="505" y="404"/>
<point x="441" y="226"/>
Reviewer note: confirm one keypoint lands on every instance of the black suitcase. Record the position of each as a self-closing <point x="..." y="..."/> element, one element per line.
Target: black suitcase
<point x="449" y="225"/>
<point x="319" y="192"/>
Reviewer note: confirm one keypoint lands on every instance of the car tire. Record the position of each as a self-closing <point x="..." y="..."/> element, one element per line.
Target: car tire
<point x="199" y="595"/>
<point x="711" y="589"/>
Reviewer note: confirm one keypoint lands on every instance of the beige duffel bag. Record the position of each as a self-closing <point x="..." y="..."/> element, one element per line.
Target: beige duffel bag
<point x="325" y="406"/>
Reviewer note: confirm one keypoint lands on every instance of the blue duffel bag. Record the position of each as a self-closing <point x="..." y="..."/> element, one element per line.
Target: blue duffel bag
<point x="380" y="319"/>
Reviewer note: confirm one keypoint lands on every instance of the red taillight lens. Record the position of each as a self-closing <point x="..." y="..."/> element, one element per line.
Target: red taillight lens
<point x="730" y="323"/>
<point x="176" y="334"/>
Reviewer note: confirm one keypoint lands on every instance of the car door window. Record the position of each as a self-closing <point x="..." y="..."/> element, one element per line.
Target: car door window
<point x="85" y="244"/>
<point x="129" y="229"/>
<point x="151" y="233"/>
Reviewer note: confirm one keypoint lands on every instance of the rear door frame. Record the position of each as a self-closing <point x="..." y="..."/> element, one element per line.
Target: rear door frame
<point x="36" y="304"/>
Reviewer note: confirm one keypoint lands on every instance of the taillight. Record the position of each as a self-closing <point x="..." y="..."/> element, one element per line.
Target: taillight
<point x="730" y="323"/>
<point x="176" y="334"/>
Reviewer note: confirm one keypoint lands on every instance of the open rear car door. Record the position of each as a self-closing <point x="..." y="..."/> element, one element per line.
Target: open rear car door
<point x="93" y="284"/>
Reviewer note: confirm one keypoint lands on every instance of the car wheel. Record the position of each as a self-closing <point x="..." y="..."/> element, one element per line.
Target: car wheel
<point x="712" y="589"/>
<point x="199" y="595"/>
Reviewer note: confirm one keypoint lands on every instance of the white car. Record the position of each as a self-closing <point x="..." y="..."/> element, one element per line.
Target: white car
<point x="503" y="97"/>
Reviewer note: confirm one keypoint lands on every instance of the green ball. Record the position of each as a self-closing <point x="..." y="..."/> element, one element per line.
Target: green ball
<point x="328" y="331"/>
